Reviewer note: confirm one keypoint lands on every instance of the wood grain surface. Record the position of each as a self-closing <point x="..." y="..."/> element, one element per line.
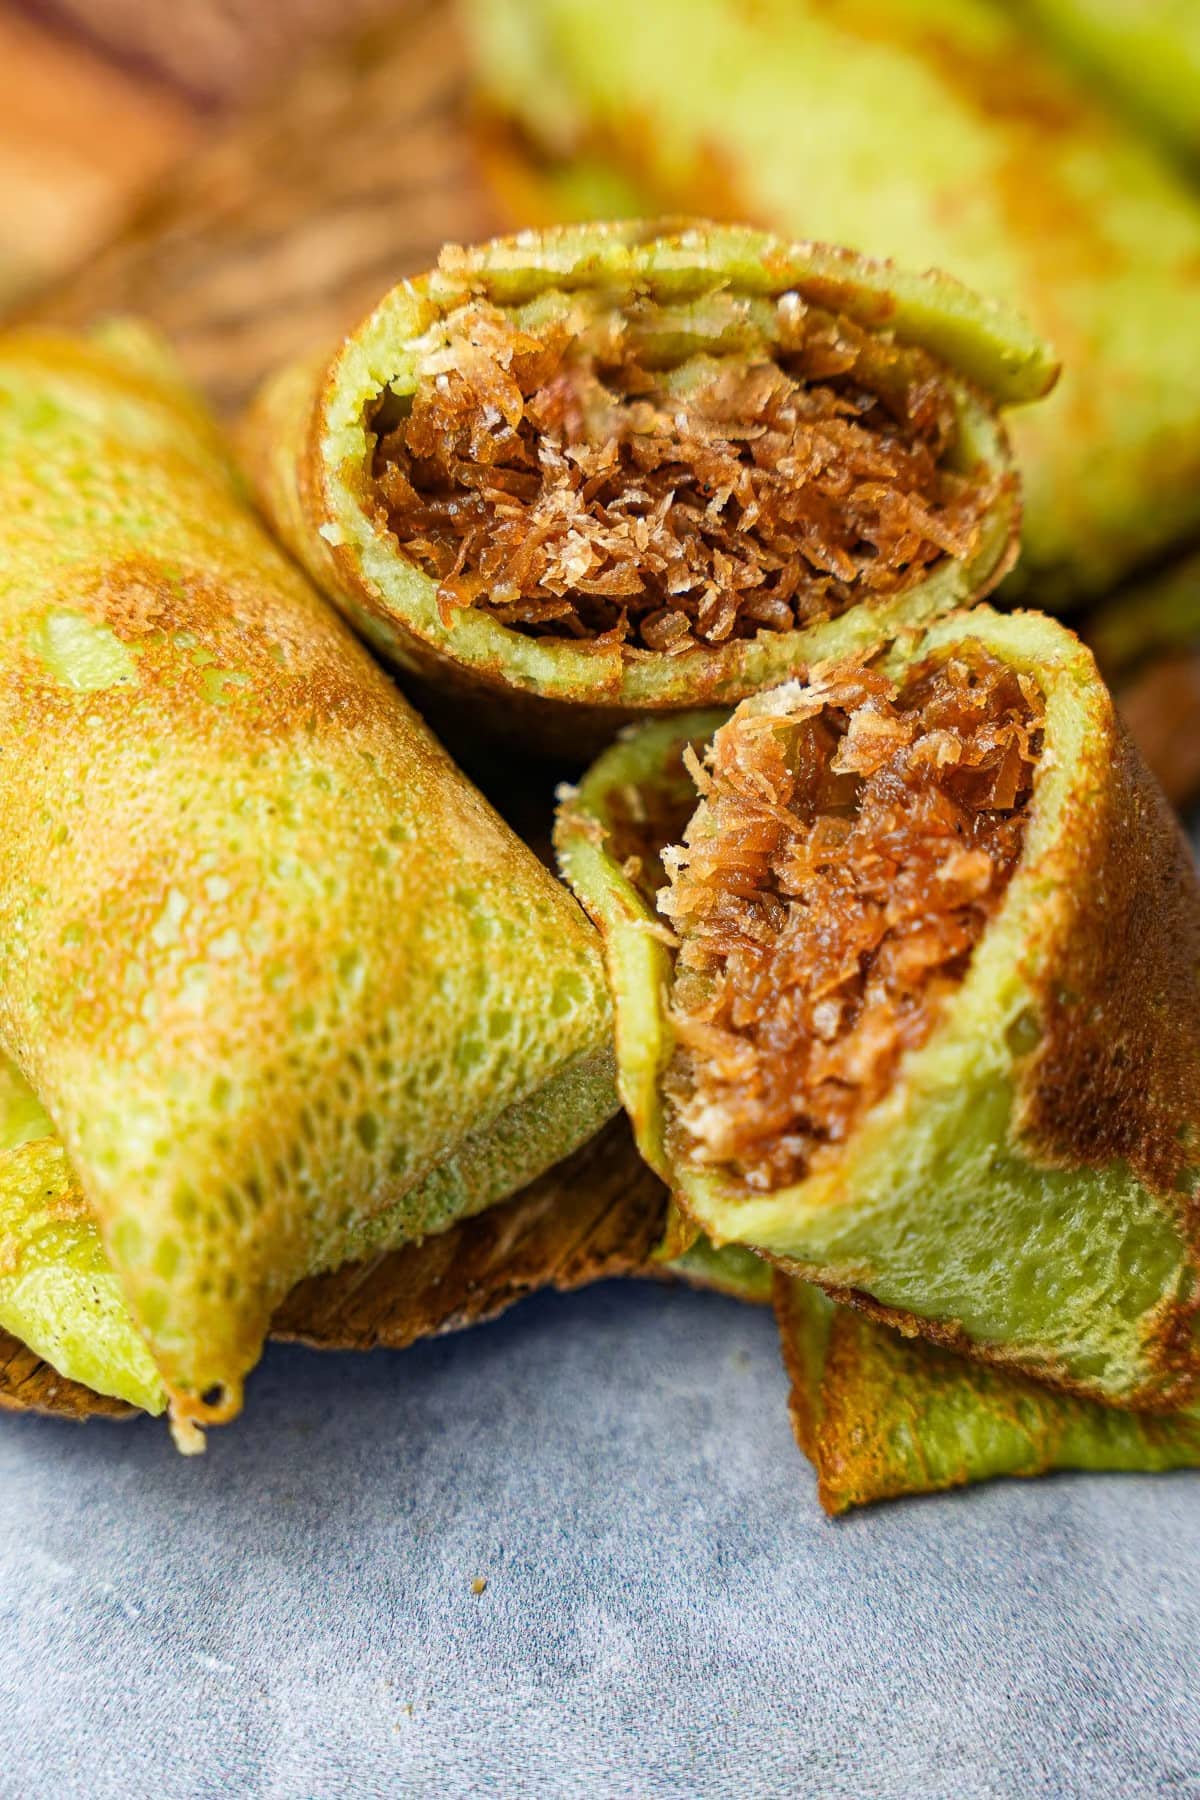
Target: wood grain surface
<point x="215" y="51"/>
<point x="289" y="223"/>
<point x="79" y="137"/>
<point x="27" y="1384"/>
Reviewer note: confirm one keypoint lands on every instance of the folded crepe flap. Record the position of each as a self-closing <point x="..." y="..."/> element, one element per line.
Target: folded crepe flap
<point x="1026" y="1190"/>
<point x="597" y="1214"/>
<point x="308" y="445"/>
<point x="250" y="902"/>
<point x="27" y="1384"/>
<point x="881" y="1416"/>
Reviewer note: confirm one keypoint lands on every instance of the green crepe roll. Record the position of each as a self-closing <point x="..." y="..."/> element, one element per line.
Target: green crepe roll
<point x="277" y="988"/>
<point x="1145" y="53"/>
<point x="578" y="475"/>
<point x="937" y="132"/>
<point x="908" y="1000"/>
<point x="880" y="1415"/>
<point x="1157" y="616"/>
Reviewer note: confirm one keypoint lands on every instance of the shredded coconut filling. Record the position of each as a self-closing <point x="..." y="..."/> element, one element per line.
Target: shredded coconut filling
<point x="848" y="852"/>
<point x="661" y="477"/>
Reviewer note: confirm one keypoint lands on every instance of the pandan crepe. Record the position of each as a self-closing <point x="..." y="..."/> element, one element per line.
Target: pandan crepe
<point x="596" y="1214"/>
<point x="880" y="1415"/>
<point x="278" y="988"/>
<point x="937" y="132"/>
<point x="1145" y="53"/>
<point x="576" y="475"/>
<point x="1154" y="617"/>
<point x="907" y="999"/>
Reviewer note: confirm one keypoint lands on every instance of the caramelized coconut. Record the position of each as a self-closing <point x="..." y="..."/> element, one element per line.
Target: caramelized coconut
<point x="849" y="850"/>
<point x="590" y="474"/>
<point x="643" y="820"/>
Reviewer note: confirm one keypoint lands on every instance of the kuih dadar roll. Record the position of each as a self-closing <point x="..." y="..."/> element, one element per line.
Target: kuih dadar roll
<point x="905" y="967"/>
<point x="583" y="474"/>
<point x="277" y="987"/>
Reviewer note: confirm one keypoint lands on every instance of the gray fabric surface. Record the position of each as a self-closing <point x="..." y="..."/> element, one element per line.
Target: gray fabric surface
<point x="667" y="1612"/>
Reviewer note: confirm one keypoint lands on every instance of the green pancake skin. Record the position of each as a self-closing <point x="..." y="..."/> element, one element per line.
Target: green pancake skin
<point x="278" y="988"/>
<point x="695" y="294"/>
<point x="59" y="1294"/>
<point x="1158" y="616"/>
<point x="1144" y="53"/>
<point x="881" y="1416"/>
<point x="940" y="133"/>
<point x="1025" y="1190"/>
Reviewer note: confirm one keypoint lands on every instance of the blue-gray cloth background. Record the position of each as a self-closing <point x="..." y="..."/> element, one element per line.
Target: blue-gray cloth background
<point x="666" y="1611"/>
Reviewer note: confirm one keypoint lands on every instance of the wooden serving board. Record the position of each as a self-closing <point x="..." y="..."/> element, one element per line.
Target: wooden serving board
<point x="291" y="219"/>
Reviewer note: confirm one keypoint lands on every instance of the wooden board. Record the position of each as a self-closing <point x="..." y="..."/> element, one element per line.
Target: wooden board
<point x="215" y="51"/>
<point x="78" y="137"/>
<point x="290" y="222"/>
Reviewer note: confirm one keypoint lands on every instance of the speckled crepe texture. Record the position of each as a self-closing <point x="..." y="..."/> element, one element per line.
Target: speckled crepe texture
<point x="666" y="1611"/>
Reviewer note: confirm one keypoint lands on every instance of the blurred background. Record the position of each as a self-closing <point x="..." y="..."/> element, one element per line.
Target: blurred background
<point x="254" y="176"/>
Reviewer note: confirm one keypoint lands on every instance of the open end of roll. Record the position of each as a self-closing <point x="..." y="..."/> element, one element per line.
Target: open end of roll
<point x="851" y="845"/>
<point x="665" y="476"/>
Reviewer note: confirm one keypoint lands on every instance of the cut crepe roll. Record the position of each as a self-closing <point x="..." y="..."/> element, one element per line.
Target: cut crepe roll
<point x="937" y="132"/>
<point x="918" y="1014"/>
<point x="286" y="987"/>
<point x="880" y="1416"/>
<point x="575" y="475"/>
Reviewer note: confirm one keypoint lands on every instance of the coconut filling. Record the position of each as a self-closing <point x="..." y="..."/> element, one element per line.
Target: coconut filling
<point x="660" y="476"/>
<point x="852" y="842"/>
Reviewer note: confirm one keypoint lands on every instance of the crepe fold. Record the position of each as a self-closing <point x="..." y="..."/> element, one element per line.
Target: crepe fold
<point x="597" y="1214"/>
<point x="277" y="987"/>
<point x="938" y="132"/>
<point x="918" y="1014"/>
<point x="880" y="1415"/>
<point x="578" y="475"/>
